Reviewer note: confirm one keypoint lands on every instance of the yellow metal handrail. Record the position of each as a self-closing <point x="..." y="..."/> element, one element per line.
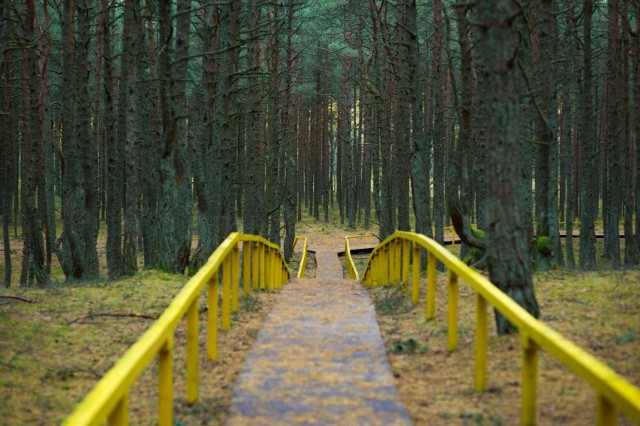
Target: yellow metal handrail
<point x="390" y="261"/>
<point x="351" y="267"/>
<point x="303" y="260"/>
<point x="263" y="267"/>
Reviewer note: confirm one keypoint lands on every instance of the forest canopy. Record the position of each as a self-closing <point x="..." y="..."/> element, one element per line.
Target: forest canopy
<point x="163" y="121"/>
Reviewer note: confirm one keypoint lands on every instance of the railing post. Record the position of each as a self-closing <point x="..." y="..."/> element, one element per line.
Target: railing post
<point x="529" y="380"/>
<point x="605" y="411"/>
<point x="192" y="353"/>
<point x="387" y="264"/>
<point x="226" y="293"/>
<point x="264" y="265"/>
<point x="261" y="273"/>
<point x="391" y="260"/>
<point x="431" y="286"/>
<point x="406" y="258"/>
<point x="235" y="278"/>
<point x="165" y="384"/>
<point x="270" y="271"/>
<point x="415" y="274"/>
<point x="120" y="414"/>
<point x="452" y="324"/>
<point x="246" y="268"/>
<point x="481" y="343"/>
<point x="375" y="269"/>
<point x="397" y="260"/>
<point x="255" y="265"/>
<point x="212" y="318"/>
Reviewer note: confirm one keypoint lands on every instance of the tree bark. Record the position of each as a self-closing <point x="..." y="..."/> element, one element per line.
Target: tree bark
<point x="507" y="251"/>
<point x="612" y="202"/>
<point x="588" y="152"/>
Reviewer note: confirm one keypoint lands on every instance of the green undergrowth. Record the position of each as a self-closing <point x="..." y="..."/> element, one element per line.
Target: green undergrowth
<point x="54" y="349"/>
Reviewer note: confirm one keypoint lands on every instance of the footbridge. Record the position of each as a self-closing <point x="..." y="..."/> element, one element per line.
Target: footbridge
<point x="319" y="357"/>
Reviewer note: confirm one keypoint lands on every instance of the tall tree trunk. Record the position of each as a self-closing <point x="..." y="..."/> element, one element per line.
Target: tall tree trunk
<point x="253" y="180"/>
<point x="438" y="76"/>
<point x="507" y="251"/>
<point x="631" y="255"/>
<point x="78" y="254"/>
<point x="33" y="268"/>
<point x="543" y="97"/>
<point x="614" y="144"/>
<point x="151" y="150"/>
<point x="274" y="185"/>
<point x="288" y="136"/>
<point x="588" y="152"/>
<point x="130" y="95"/>
<point x="635" y="60"/>
<point x="6" y="148"/>
<point x="175" y="174"/>
<point x="114" y="178"/>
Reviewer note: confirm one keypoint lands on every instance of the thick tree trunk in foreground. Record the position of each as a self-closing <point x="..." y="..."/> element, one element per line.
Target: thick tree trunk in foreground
<point x="507" y="252"/>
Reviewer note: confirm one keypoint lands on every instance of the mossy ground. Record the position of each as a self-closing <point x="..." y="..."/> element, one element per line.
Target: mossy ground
<point x="599" y="310"/>
<point x="52" y="353"/>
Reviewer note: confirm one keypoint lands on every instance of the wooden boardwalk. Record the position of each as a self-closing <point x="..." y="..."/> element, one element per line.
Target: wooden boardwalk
<point x="319" y="359"/>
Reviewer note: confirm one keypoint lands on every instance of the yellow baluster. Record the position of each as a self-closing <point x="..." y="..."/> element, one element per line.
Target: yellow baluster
<point x="120" y="414"/>
<point x="246" y="268"/>
<point x="406" y="258"/>
<point x="165" y="384"/>
<point x="226" y="293"/>
<point x="452" y="324"/>
<point x="605" y="412"/>
<point x="529" y="380"/>
<point x="255" y="265"/>
<point x="212" y="318"/>
<point x="481" y="343"/>
<point x="415" y="276"/>
<point x="192" y="353"/>
<point x="235" y="278"/>
<point x="431" y="286"/>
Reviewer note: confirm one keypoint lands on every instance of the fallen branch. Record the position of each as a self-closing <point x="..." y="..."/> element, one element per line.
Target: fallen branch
<point x="20" y="298"/>
<point x="111" y="315"/>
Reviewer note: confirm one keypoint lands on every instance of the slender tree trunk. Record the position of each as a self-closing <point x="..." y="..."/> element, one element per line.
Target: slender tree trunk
<point x="439" y="137"/>
<point x="631" y="254"/>
<point x="253" y="179"/>
<point x="402" y="116"/>
<point x="289" y="165"/>
<point x="545" y="106"/>
<point x="33" y="268"/>
<point x="614" y="144"/>
<point x="114" y="178"/>
<point x="6" y="148"/>
<point x="130" y="122"/>
<point x="588" y="152"/>
<point x="635" y="60"/>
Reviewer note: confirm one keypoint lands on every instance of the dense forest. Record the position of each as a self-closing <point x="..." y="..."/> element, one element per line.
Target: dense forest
<point x="170" y="120"/>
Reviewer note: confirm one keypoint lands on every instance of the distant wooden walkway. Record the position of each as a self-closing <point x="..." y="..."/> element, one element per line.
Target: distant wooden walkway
<point x="319" y="359"/>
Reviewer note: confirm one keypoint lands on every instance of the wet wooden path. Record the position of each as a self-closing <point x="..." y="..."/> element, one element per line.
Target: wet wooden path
<point x="319" y="359"/>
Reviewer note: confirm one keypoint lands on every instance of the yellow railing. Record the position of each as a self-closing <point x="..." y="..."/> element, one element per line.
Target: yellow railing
<point x="303" y="260"/>
<point x="390" y="263"/>
<point x="353" y="272"/>
<point x="263" y="268"/>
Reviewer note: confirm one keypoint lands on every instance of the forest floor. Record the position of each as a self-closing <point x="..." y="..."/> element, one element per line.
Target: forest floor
<point x="53" y="351"/>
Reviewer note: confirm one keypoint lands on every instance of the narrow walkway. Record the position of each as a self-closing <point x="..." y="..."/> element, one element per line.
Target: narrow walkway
<point x="328" y="265"/>
<point x="318" y="360"/>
